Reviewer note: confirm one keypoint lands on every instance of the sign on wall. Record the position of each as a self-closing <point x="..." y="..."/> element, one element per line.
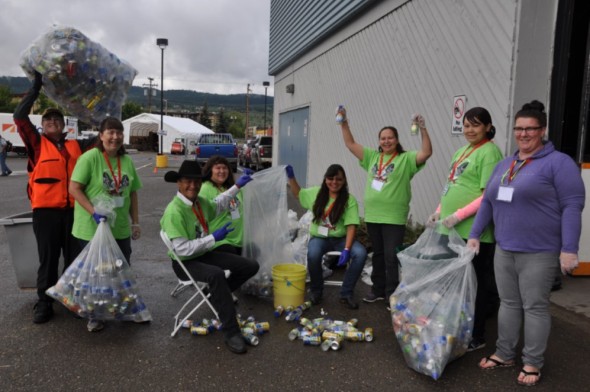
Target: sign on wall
<point x="459" y="105"/>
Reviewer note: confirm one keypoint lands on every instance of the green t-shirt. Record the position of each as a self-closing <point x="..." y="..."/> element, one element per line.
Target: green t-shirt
<point x="179" y="221"/>
<point x="470" y="178"/>
<point x="92" y="171"/>
<point x="234" y="215"/>
<point x="350" y="216"/>
<point x="391" y="204"/>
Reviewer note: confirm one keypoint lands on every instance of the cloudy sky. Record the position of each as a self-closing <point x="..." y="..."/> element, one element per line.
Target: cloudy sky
<point x="216" y="46"/>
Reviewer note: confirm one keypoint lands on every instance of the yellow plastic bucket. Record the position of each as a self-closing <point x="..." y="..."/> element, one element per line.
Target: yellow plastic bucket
<point x="288" y="283"/>
<point x="161" y="161"/>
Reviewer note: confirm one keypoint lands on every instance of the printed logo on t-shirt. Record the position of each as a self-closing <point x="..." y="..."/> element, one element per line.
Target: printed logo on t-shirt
<point x="459" y="170"/>
<point x="384" y="173"/>
<point x="234" y="204"/>
<point x="109" y="184"/>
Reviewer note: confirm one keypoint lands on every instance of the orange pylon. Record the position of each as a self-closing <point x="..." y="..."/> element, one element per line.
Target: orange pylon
<point x="155" y="169"/>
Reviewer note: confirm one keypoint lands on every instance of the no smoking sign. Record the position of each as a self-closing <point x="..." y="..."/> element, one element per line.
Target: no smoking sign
<point x="459" y="105"/>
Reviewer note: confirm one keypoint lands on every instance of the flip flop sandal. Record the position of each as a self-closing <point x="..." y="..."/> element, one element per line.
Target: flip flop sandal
<point x="530" y="384"/>
<point x="497" y="364"/>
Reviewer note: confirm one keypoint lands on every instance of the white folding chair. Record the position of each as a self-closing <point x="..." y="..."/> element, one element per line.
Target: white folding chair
<point x="197" y="296"/>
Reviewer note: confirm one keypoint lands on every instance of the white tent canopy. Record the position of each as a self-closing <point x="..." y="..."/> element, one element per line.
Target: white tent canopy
<point x="174" y="126"/>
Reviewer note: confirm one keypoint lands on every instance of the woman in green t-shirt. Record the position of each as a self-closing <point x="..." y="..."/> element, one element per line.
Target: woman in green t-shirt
<point x="469" y="172"/>
<point x="217" y="179"/>
<point x="106" y="170"/>
<point x="387" y="197"/>
<point x="333" y="228"/>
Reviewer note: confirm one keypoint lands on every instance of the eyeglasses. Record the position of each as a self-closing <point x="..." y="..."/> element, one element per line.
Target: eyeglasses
<point x="526" y="130"/>
<point x="334" y="178"/>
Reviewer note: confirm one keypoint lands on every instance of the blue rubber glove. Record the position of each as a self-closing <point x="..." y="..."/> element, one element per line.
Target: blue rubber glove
<point x="290" y="172"/>
<point x="344" y="258"/>
<point x="220" y="234"/>
<point x="98" y="218"/>
<point x="243" y="180"/>
<point x="248" y="172"/>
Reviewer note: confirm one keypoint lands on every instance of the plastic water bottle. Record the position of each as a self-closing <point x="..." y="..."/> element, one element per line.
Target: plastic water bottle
<point x="339" y="116"/>
<point x="294" y="315"/>
<point x="414" y="128"/>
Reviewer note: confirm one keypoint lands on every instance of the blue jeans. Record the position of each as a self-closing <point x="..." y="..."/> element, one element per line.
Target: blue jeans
<point x="5" y="169"/>
<point x="317" y="247"/>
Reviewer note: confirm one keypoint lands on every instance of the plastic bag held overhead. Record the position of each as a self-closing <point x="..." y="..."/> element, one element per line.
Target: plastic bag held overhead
<point x="432" y="308"/>
<point x="79" y="74"/>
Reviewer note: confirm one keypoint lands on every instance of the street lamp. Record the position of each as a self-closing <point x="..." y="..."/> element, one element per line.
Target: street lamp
<point x="265" y="84"/>
<point x="162" y="43"/>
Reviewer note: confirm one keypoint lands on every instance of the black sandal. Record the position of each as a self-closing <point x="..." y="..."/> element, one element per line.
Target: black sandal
<point x="497" y="364"/>
<point x="527" y="373"/>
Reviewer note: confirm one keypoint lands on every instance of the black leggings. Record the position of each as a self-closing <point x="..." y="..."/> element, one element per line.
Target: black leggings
<point x="385" y="239"/>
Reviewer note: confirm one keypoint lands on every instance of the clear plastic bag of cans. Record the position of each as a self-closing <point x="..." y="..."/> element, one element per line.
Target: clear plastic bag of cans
<point x="266" y="227"/>
<point x="99" y="283"/>
<point x="432" y="308"/>
<point x="79" y="74"/>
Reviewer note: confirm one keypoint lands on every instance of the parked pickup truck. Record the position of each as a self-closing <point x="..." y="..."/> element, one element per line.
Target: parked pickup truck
<point x="261" y="154"/>
<point x="211" y="144"/>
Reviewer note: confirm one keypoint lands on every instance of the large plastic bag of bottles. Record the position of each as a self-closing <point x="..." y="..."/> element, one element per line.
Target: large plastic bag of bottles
<point x="266" y="227"/>
<point x="432" y="309"/>
<point x="99" y="283"/>
<point x="79" y="74"/>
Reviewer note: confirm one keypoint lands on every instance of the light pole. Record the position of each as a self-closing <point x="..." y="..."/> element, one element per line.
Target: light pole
<point x="162" y="43"/>
<point x="265" y="84"/>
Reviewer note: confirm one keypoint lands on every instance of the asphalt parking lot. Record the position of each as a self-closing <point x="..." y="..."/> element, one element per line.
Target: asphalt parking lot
<point x="62" y="355"/>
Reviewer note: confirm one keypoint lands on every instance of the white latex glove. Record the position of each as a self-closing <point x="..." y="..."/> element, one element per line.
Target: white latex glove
<point x="431" y="221"/>
<point x="417" y="118"/>
<point x="473" y="244"/>
<point x="451" y="221"/>
<point x="569" y="262"/>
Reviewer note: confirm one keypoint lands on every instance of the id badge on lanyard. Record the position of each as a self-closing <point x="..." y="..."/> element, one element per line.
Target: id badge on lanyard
<point x="323" y="231"/>
<point x="119" y="201"/>
<point x="505" y="193"/>
<point x="377" y="185"/>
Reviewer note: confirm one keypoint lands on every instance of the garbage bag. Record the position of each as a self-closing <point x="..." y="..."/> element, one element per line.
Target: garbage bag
<point x="300" y="242"/>
<point x="432" y="309"/>
<point x="79" y="74"/>
<point x="266" y="227"/>
<point x="99" y="283"/>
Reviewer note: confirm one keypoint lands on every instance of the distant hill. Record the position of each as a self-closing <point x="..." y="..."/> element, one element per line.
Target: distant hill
<point x="177" y="99"/>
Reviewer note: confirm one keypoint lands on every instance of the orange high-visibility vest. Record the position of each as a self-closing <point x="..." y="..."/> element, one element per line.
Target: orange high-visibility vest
<point x="50" y="179"/>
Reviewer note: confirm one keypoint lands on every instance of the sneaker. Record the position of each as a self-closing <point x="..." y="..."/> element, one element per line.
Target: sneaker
<point x="95" y="325"/>
<point x="42" y="312"/>
<point x="476" y="344"/>
<point x="372" y="297"/>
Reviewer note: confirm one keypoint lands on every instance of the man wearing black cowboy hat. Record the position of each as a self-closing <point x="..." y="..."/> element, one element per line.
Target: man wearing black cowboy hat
<point x="185" y="222"/>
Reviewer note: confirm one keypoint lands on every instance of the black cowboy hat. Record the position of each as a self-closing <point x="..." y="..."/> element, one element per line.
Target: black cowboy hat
<point x="189" y="169"/>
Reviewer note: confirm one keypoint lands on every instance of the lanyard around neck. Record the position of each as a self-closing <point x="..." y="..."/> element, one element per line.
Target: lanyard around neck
<point x="511" y="173"/>
<point x="116" y="180"/>
<point x="464" y="157"/>
<point x="201" y="217"/>
<point x="381" y="165"/>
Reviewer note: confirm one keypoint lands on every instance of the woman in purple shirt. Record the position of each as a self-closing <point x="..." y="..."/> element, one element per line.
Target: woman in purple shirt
<point x="535" y="199"/>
